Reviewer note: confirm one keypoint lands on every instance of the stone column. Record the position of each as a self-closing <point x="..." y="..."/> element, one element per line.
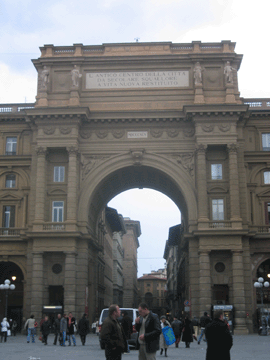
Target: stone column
<point x="70" y="283"/>
<point x="202" y="185"/>
<point x="40" y="184"/>
<point x="204" y="281"/>
<point x="37" y="284"/>
<point x="234" y="186"/>
<point x="239" y="292"/>
<point x="72" y="186"/>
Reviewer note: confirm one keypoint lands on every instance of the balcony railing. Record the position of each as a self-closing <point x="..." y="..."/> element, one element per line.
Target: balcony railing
<point x="262" y="229"/>
<point x="220" y="224"/>
<point x="10" y="231"/>
<point x="54" y="227"/>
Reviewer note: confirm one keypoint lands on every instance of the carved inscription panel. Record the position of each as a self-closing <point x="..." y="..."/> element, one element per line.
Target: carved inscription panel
<point x="137" y="79"/>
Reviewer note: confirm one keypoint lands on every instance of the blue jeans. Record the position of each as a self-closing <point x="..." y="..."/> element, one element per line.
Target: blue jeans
<point x="73" y="338"/>
<point x="63" y="338"/>
<point x="31" y="331"/>
<point x="202" y="333"/>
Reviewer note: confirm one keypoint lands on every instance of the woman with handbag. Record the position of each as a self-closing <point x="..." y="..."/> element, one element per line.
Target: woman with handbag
<point x="4" y="329"/>
<point x="163" y="345"/>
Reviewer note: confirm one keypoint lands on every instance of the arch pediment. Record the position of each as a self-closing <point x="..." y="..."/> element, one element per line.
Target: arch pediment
<point x="10" y="196"/>
<point x="264" y="193"/>
<point x="217" y="189"/>
<point x="56" y="191"/>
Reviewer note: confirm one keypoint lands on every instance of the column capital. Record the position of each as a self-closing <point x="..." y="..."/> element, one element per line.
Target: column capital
<point x="204" y="252"/>
<point x="72" y="150"/>
<point x="200" y="148"/>
<point x="237" y="252"/>
<point x="41" y="151"/>
<point x="233" y="148"/>
<point x="37" y="253"/>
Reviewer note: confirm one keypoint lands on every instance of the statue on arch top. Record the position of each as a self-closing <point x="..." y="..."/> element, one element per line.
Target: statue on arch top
<point x="228" y="71"/>
<point x="198" y="73"/>
<point x="75" y="75"/>
<point x="44" y="76"/>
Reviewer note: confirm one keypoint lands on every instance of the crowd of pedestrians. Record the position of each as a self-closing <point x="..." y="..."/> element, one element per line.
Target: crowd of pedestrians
<point x="151" y="332"/>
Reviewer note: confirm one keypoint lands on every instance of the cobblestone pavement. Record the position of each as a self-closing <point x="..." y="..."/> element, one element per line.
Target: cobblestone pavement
<point x="16" y="348"/>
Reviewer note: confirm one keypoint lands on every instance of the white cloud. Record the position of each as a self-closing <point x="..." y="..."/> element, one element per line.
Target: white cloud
<point x="16" y="87"/>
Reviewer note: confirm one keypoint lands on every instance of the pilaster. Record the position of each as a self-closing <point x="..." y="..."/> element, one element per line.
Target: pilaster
<point x="202" y="186"/>
<point x="72" y="188"/>
<point x="205" y="281"/>
<point x="239" y="292"/>
<point x="37" y="284"/>
<point x="70" y="282"/>
<point x="40" y="187"/>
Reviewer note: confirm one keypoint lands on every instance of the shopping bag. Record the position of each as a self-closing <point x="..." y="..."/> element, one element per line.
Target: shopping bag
<point x="168" y="335"/>
<point x="8" y="333"/>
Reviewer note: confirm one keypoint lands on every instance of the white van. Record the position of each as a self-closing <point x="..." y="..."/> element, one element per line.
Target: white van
<point x="132" y="313"/>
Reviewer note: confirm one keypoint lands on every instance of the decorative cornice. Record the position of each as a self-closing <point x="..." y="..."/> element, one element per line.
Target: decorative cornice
<point x="65" y="130"/>
<point x="101" y="133"/>
<point x="173" y="133"/>
<point x="49" y="130"/>
<point x="119" y="133"/>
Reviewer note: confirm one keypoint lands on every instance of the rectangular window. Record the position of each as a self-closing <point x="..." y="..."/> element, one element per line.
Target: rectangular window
<point x="267" y="177"/>
<point x="9" y="216"/>
<point x="217" y="209"/>
<point x="267" y="213"/>
<point x="11" y="146"/>
<point x="216" y="171"/>
<point x="58" y="211"/>
<point x="266" y="142"/>
<point x="59" y="174"/>
<point x="10" y="181"/>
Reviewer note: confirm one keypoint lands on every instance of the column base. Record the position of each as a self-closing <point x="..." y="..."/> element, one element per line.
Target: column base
<point x="241" y="330"/>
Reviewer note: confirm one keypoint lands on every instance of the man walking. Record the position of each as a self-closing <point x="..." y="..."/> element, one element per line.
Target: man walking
<point x="205" y="319"/>
<point x="63" y="330"/>
<point x="112" y="335"/>
<point x="149" y="329"/>
<point x="218" y="337"/>
<point x="177" y="329"/>
<point x="57" y="329"/>
<point x="83" y="328"/>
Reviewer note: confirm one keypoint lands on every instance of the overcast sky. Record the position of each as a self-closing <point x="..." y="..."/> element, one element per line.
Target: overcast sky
<point x="27" y="25"/>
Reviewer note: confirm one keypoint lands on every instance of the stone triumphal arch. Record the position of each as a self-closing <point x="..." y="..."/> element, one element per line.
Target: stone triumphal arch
<point x="118" y="116"/>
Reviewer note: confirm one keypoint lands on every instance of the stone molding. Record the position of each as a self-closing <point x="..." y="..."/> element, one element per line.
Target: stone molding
<point x="224" y="128"/>
<point x="118" y="134"/>
<point x="189" y="132"/>
<point x="173" y="133"/>
<point x="65" y="130"/>
<point x="49" y="130"/>
<point x="101" y="133"/>
<point x="207" y="128"/>
<point x="85" y="133"/>
<point x="156" y="133"/>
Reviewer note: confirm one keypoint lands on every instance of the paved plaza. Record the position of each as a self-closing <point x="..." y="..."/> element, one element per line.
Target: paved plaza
<point x="245" y="348"/>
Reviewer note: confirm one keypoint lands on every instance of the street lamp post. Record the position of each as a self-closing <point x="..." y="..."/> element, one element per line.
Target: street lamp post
<point x="7" y="286"/>
<point x="259" y="285"/>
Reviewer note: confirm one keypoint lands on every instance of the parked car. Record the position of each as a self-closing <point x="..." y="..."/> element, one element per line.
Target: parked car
<point x="132" y="313"/>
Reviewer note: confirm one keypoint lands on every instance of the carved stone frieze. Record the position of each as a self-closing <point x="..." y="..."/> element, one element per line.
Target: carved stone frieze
<point x="156" y="133"/>
<point x="137" y="156"/>
<point x="85" y="133"/>
<point x="102" y="133"/>
<point x="65" y="130"/>
<point x="90" y="162"/>
<point x="173" y="133"/>
<point x="224" y="128"/>
<point x="187" y="161"/>
<point x="207" y="128"/>
<point x="118" y="133"/>
<point x="49" y="130"/>
<point x="189" y="132"/>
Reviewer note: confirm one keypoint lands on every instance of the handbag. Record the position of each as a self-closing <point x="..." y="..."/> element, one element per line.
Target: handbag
<point x="168" y="335"/>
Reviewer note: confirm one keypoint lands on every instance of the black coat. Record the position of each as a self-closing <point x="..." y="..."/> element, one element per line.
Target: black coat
<point x="57" y="325"/>
<point x="152" y="332"/>
<point x="188" y="331"/>
<point x="112" y="336"/>
<point x="45" y="327"/>
<point x="70" y="328"/>
<point x="83" y="326"/>
<point x="177" y="327"/>
<point x="219" y="340"/>
<point x="127" y="326"/>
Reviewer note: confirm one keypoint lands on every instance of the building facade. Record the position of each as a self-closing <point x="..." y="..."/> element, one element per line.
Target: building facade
<point x="118" y="116"/>
<point x="130" y="262"/>
<point x="152" y="290"/>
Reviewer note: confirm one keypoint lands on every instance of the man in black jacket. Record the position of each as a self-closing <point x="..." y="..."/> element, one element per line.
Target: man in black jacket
<point x="112" y="335"/>
<point x="205" y="319"/>
<point x="57" y="329"/>
<point x="218" y="337"/>
<point x="149" y="329"/>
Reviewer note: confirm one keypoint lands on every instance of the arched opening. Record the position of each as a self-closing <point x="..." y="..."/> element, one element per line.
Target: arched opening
<point x="13" y="300"/>
<point x="135" y="177"/>
<point x="264" y="293"/>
